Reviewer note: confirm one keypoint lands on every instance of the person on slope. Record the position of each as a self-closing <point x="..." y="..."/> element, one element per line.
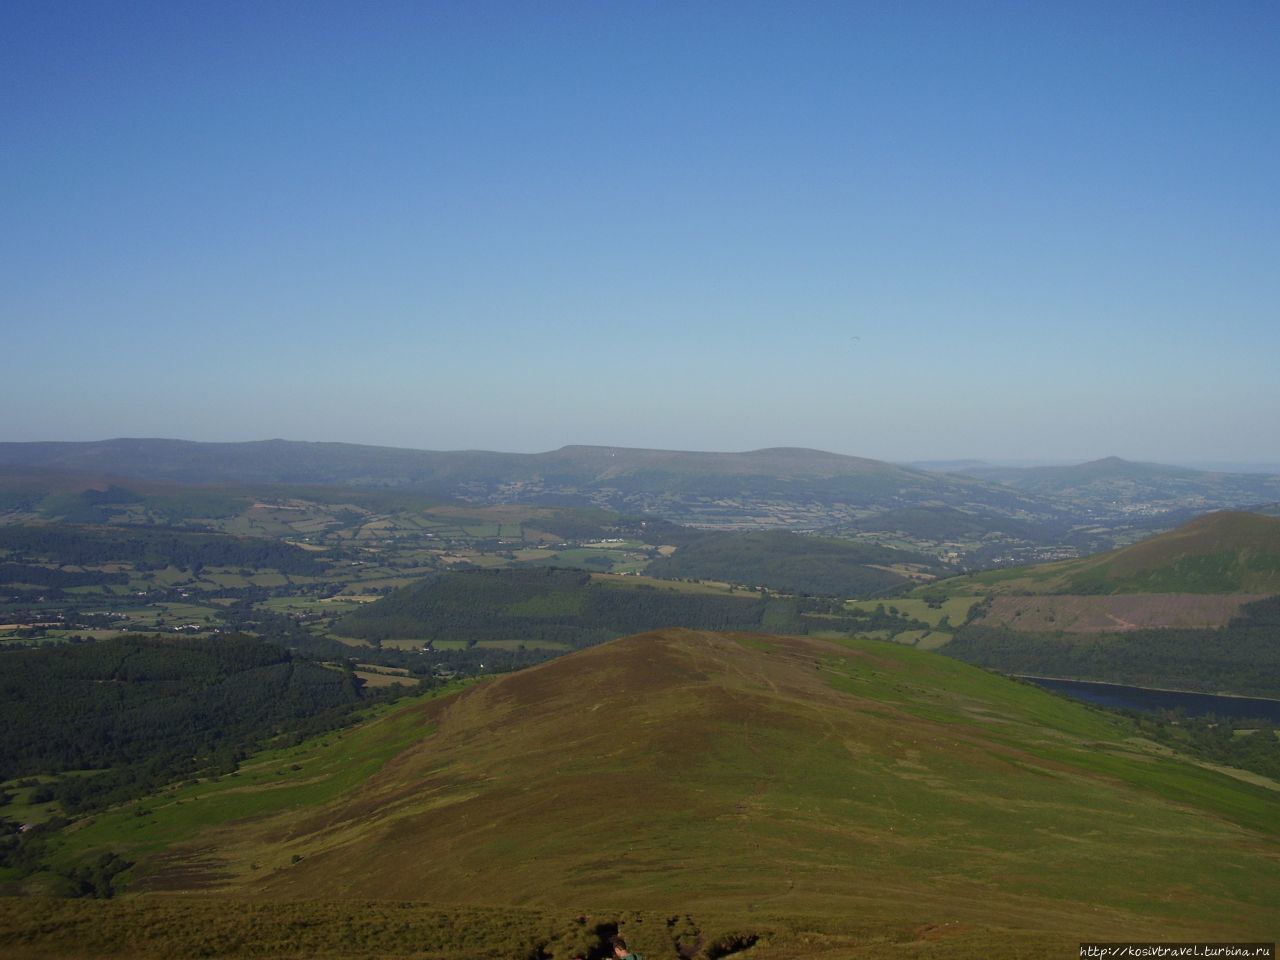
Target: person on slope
<point x="620" y="951"/>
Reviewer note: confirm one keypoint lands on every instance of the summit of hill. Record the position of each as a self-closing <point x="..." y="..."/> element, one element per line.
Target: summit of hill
<point x="743" y="774"/>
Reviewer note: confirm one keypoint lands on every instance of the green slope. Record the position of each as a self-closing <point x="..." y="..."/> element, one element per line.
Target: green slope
<point x="1225" y="552"/>
<point x="744" y="776"/>
<point x="1183" y="610"/>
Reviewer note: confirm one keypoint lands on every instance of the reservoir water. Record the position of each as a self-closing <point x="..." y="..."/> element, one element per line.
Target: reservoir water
<point x="1119" y="697"/>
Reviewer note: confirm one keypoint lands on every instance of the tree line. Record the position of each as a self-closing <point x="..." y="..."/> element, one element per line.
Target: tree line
<point x="1242" y="657"/>
<point x="151" y="547"/>
<point x="553" y="604"/>
<point x="145" y="710"/>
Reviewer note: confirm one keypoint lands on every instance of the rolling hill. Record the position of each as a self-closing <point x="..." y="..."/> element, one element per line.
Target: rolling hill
<point x="1224" y="552"/>
<point x="1101" y="484"/>
<point x="978" y="515"/>
<point x="1191" y="609"/>
<point x="771" y="487"/>
<point x="823" y="799"/>
<point x="285" y="461"/>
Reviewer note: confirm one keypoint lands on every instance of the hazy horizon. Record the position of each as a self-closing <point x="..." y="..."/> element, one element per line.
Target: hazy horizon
<point x="925" y="462"/>
<point x="923" y="231"/>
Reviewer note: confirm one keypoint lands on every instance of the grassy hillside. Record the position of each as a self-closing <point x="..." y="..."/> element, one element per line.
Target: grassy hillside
<point x="1186" y="610"/>
<point x="745" y="776"/>
<point x="1225" y="552"/>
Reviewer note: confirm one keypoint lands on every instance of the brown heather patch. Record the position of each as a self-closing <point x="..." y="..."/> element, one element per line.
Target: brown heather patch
<point x="169" y="927"/>
<point x="757" y="776"/>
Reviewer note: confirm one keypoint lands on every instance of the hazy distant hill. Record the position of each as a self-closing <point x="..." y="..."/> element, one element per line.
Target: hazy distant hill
<point x="985" y="516"/>
<point x="755" y="776"/>
<point x="1112" y="482"/>
<point x="773" y="487"/>
<point x="1077" y="474"/>
<point x="265" y="461"/>
<point x="286" y="461"/>
<point x="948" y="466"/>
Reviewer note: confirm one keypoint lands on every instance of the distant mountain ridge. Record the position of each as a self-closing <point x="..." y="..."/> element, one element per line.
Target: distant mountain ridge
<point x="1100" y="482"/>
<point x="987" y="515"/>
<point x="773" y="486"/>
<point x="296" y="461"/>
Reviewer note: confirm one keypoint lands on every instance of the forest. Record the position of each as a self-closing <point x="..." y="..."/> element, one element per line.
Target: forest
<point x="40" y="576"/>
<point x="132" y="713"/>
<point x="1247" y="745"/>
<point x="551" y="604"/>
<point x="787" y="561"/>
<point x="1242" y="657"/>
<point x="157" y="546"/>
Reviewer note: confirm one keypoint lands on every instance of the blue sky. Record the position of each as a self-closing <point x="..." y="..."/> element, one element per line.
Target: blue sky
<point x="898" y="230"/>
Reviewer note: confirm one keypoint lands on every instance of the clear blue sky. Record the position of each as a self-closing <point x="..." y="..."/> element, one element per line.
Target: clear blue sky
<point x="899" y="230"/>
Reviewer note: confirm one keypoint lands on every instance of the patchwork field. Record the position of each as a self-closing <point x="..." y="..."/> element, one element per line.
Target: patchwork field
<point x="953" y="609"/>
<point x="942" y="617"/>
<point x="1218" y="553"/>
